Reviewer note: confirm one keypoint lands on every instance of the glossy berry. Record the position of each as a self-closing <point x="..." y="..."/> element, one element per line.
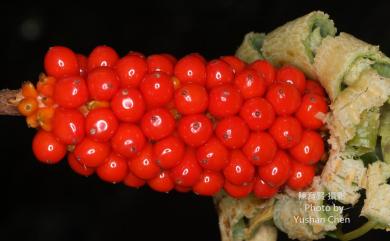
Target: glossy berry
<point x="160" y="63"/>
<point x="162" y="182"/>
<point x="157" y="124"/>
<point x="131" y="69"/>
<point x="277" y="172"/>
<point x="257" y="113"/>
<point x="170" y="57"/>
<point x="191" y="69"/>
<point x="191" y="99"/>
<point x="188" y="172"/>
<point x="293" y="76"/>
<point x="47" y="148"/>
<point x="287" y="131"/>
<point x="250" y="84"/>
<point x="313" y="87"/>
<point x="157" y="89"/>
<point x="114" y="169"/>
<point x="218" y="73"/>
<point x="312" y="109"/>
<point x="71" y="92"/>
<point x="263" y="190"/>
<point x="310" y="149"/>
<point x="265" y="70"/>
<point x="60" y="62"/>
<point x="285" y="98"/>
<point x="68" y="125"/>
<point x="195" y="130"/>
<point x="168" y="152"/>
<point x="102" y="56"/>
<point x="132" y="180"/>
<point x="143" y="165"/>
<point x="209" y="183"/>
<point x="239" y="169"/>
<point x="260" y="148"/>
<point x="235" y="63"/>
<point x="101" y="124"/>
<point x="232" y="132"/>
<point x="238" y="191"/>
<point x="103" y="83"/>
<point x="79" y="168"/>
<point x="83" y="65"/>
<point x="213" y="155"/>
<point x="224" y="101"/>
<point x="91" y="153"/>
<point x="128" y="105"/>
<point x="128" y="140"/>
<point x="301" y="176"/>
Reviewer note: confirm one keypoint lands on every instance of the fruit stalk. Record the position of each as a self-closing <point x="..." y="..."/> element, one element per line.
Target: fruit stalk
<point x="9" y="100"/>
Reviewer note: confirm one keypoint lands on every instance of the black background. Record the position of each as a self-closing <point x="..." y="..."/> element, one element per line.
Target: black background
<point x="42" y="202"/>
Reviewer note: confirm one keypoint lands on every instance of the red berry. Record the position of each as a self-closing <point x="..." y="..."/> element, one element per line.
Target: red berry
<point x="239" y="169"/>
<point x="284" y="98"/>
<point x="101" y="124"/>
<point x="157" y="124"/>
<point x="47" y="148"/>
<point x="91" y="153"/>
<point x="136" y="53"/>
<point x="132" y="180"/>
<point x="128" y="105"/>
<point x="103" y="83"/>
<point x="168" y="152"/>
<point x="312" y="108"/>
<point x="68" y="125"/>
<point x="114" y="169"/>
<point x="83" y="65"/>
<point x="224" y="101"/>
<point x="310" y="149"/>
<point x="313" y="87"/>
<point x="293" y="76"/>
<point x="143" y="165"/>
<point x="260" y="148"/>
<point x="277" y="172"/>
<point x="301" y="176"/>
<point x="170" y="57"/>
<point x="162" y="182"/>
<point x="213" y="155"/>
<point x="238" y="191"/>
<point x="79" y="168"/>
<point x="102" y="56"/>
<point x="182" y="189"/>
<point x="209" y="184"/>
<point x="250" y="84"/>
<point x="188" y="172"/>
<point x="131" y="69"/>
<point x="265" y="69"/>
<point x="237" y="64"/>
<point x="232" y="132"/>
<point x="61" y="62"/>
<point x="160" y="63"/>
<point x="258" y="114"/>
<point x="128" y="140"/>
<point x="287" y="131"/>
<point x="195" y="130"/>
<point x="191" y="69"/>
<point x="218" y="73"/>
<point x="157" y="89"/>
<point x="191" y="99"/>
<point x="263" y="190"/>
<point x="71" y="92"/>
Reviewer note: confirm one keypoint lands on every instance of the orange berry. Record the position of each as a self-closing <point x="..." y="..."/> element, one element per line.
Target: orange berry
<point x="47" y="101"/>
<point x="32" y="121"/>
<point x="28" y="90"/>
<point x="45" y="116"/>
<point x="27" y="106"/>
<point x="45" y="85"/>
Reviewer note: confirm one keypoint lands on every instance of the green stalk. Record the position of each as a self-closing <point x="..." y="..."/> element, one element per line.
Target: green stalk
<point x="365" y="228"/>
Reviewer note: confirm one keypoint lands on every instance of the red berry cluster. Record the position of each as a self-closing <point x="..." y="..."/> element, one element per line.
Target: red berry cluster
<point x="185" y="125"/>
